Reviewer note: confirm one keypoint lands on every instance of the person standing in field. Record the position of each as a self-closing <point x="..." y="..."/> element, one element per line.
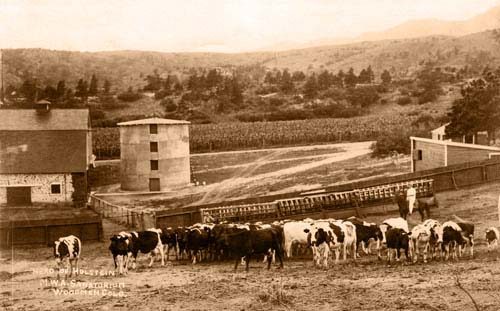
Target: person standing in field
<point x="411" y="197"/>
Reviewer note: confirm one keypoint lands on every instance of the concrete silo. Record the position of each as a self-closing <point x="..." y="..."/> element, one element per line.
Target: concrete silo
<point x="154" y="154"/>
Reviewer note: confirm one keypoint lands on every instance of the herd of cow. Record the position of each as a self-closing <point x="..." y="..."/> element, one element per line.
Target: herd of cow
<point x="321" y="237"/>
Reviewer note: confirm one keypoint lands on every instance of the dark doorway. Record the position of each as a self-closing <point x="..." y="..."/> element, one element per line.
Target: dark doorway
<point x="18" y="195"/>
<point x="154" y="184"/>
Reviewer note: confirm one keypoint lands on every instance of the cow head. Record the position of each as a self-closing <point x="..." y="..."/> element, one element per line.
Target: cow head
<point x="119" y="244"/>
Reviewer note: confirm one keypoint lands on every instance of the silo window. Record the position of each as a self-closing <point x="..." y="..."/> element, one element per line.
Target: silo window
<point x="153" y="128"/>
<point x="154" y="165"/>
<point x="55" y="188"/>
<point x="153" y="146"/>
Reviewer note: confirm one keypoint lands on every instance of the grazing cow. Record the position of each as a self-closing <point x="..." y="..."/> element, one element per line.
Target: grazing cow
<point x="420" y="238"/>
<point x="452" y="240"/>
<point x="436" y="239"/>
<point x="397" y="239"/>
<point x="146" y="242"/>
<point x="250" y="242"/>
<point x="69" y="247"/>
<point x="492" y="236"/>
<point x="366" y="233"/>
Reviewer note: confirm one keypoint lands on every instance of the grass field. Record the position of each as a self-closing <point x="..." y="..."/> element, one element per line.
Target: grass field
<point x="366" y="285"/>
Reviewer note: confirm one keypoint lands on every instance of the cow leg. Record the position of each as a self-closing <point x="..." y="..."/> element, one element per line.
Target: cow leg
<point x="472" y="247"/>
<point x="76" y="266"/>
<point x="236" y="263"/>
<point x="344" y="249"/>
<point x="288" y="249"/>
<point x="269" y="258"/>
<point x="70" y="262"/>
<point x="280" y="254"/>
<point x="193" y="256"/>
<point x="162" y="254"/>
<point x="247" y="266"/>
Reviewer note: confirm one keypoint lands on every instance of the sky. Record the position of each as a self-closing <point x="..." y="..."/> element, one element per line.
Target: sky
<point x="210" y="25"/>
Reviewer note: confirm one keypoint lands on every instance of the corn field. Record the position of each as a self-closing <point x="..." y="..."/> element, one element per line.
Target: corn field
<point x="237" y="136"/>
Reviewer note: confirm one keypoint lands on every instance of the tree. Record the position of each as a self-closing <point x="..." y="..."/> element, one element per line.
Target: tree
<point x="61" y="89"/>
<point x="311" y="87"/>
<point x="386" y="77"/>
<point x="429" y="82"/>
<point x="29" y="90"/>
<point x="298" y="76"/>
<point x="93" y="86"/>
<point x="477" y="110"/>
<point x="324" y="80"/>
<point x="350" y="79"/>
<point x="286" y="83"/>
<point x="81" y="89"/>
<point x="107" y="86"/>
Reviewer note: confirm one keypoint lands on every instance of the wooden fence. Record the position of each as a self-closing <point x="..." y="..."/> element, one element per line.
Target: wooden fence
<point x="46" y="231"/>
<point x="122" y="215"/>
<point x="315" y="203"/>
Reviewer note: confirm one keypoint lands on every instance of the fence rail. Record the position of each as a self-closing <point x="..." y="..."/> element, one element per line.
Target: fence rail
<point x="121" y="215"/>
<point x="315" y="203"/>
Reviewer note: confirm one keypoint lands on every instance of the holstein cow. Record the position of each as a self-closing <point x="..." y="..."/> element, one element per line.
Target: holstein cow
<point x="250" y="242"/>
<point x="420" y="239"/>
<point x="397" y="239"/>
<point x="436" y="239"/>
<point x="169" y="240"/>
<point x="120" y="248"/>
<point x="198" y="239"/>
<point x="492" y="236"/>
<point x="350" y="238"/>
<point x="294" y="234"/>
<point x="146" y="242"/>
<point x="396" y="223"/>
<point x="70" y="248"/>
<point x="452" y="240"/>
<point x="321" y="243"/>
<point x="467" y="233"/>
<point x="367" y="233"/>
<point x="336" y="238"/>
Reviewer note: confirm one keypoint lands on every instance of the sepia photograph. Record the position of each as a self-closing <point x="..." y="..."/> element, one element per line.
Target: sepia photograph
<point x="250" y="155"/>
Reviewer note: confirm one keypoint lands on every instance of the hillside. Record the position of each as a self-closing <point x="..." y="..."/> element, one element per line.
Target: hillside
<point x="128" y="68"/>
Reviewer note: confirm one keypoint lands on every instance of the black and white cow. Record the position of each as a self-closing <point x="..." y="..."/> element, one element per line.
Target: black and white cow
<point x="198" y="238"/>
<point x="170" y="241"/>
<point x="251" y="242"/>
<point x="452" y="240"/>
<point x="146" y="242"/>
<point x="70" y="248"/>
<point x="468" y="235"/>
<point x="367" y="233"/>
<point x="396" y="240"/>
<point x="492" y="236"/>
<point x="120" y="248"/>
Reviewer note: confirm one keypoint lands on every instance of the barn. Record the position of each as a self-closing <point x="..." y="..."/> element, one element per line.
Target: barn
<point x="154" y="154"/>
<point x="432" y="153"/>
<point x="44" y="155"/>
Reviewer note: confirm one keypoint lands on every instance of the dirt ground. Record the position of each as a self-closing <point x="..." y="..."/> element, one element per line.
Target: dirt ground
<point x="365" y="285"/>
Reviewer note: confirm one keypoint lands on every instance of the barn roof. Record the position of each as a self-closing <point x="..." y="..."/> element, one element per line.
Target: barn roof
<point x="154" y="121"/>
<point x="53" y="120"/>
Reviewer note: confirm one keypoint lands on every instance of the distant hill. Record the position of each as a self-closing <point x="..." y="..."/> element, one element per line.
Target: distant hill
<point x="128" y="68"/>
<point x="426" y="27"/>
